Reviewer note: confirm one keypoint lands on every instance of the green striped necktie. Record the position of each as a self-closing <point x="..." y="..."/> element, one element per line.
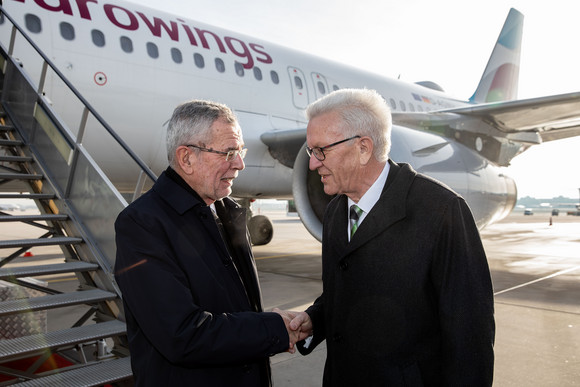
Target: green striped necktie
<point x="355" y="213"/>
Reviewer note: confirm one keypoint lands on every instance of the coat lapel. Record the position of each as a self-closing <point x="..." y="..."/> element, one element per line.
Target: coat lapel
<point x="388" y="210"/>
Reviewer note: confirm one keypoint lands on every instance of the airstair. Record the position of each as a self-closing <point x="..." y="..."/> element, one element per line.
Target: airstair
<point x="61" y="319"/>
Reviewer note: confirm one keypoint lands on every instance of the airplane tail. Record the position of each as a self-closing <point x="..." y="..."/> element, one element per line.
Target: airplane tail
<point x="500" y="78"/>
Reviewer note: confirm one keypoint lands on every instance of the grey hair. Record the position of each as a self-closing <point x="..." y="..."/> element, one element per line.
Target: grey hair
<point x="191" y="124"/>
<point x="363" y="112"/>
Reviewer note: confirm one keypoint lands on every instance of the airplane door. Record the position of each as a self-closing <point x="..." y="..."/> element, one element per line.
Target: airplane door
<point x="299" y="87"/>
<point x="320" y="85"/>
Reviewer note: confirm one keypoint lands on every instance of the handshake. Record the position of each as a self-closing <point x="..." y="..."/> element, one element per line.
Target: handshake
<point x="298" y="325"/>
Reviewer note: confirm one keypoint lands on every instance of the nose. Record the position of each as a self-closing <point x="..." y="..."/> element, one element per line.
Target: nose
<point x="238" y="163"/>
<point x="314" y="163"/>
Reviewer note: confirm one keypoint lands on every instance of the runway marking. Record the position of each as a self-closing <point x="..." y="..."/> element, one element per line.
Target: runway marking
<point x="287" y="255"/>
<point x="538" y="280"/>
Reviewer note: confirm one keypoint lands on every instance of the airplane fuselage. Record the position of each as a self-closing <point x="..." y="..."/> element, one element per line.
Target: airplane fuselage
<point x="134" y="65"/>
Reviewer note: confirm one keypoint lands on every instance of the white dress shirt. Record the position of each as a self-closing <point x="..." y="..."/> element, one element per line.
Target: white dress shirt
<point x="370" y="198"/>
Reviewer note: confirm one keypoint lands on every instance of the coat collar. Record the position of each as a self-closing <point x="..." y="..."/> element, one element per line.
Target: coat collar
<point x="390" y="208"/>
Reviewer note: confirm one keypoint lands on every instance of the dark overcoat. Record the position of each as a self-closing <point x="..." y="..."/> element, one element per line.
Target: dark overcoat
<point x="191" y="310"/>
<point x="409" y="301"/>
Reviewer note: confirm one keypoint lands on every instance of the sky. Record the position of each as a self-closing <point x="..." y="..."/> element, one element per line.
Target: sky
<point x="446" y="41"/>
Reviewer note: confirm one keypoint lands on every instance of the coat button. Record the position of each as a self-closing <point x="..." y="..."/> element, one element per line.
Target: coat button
<point x="343" y="265"/>
<point x="337" y="337"/>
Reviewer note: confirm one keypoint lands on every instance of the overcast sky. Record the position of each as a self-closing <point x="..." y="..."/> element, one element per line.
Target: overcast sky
<point x="447" y="41"/>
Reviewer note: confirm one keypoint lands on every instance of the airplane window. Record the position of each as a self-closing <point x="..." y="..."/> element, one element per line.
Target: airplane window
<point x="335" y="87"/>
<point x="393" y="104"/>
<point x="419" y="108"/>
<point x="33" y="23"/>
<point x="403" y="107"/>
<point x="67" y="31"/>
<point x="199" y="61"/>
<point x="411" y="107"/>
<point x="126" y="44"/>
<point x="176" y="55"/>
<point x="257" y="73"/>
<point x="239" y="69"/>
<point x="321" y="88"/>
<point x="274" y="76"/>
<point x="152" y="50"/>
<point x="98" y="38"/>
<point x="298" y="83"/>
<point x="219" y="65"/>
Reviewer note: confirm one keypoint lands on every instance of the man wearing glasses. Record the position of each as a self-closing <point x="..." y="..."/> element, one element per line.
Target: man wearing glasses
<point x="184" y="265"/>
<point x="407" y="297"/>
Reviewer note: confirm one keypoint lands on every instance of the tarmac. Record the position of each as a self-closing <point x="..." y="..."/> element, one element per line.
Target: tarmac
<point x="535" y="268"/>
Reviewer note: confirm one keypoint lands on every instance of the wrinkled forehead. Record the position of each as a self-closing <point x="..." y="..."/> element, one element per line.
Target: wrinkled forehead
<point x="224" y="132"/>
<point x="323" y="129"/>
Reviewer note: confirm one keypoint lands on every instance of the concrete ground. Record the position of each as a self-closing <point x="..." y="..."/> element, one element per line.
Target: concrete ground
<point x="535" y="267"/>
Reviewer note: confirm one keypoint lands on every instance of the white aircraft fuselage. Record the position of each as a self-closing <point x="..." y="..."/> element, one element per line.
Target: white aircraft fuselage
<point x="135" y="65"/>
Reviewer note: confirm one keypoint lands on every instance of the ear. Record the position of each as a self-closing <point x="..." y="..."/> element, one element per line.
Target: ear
<point x="365" y="147"/>
<point x="183" y="157"/>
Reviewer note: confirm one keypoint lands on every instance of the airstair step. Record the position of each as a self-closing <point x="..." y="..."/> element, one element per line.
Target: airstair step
<point x="32" y="218"/>
<point x="20" y="176"/>
<point x="4" y="142"/>
<point x="40" y="242"/>
<point x="33" y="304"/>
<point x="39" y="196"/>
<point x="15" y="159"/>
<point x="101" y="373"/>
<point x="55" y="268"/>
<point x="31" y="345"/>
<point x="6" y="128"/>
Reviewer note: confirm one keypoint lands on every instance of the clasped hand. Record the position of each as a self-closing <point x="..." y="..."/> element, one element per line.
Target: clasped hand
<point x="298" y="325"/>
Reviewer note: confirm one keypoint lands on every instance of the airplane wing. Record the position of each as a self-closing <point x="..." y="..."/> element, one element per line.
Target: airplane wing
<point x="502" y="130"/>
<point x="553" y="118"/>
<point x="284" y="145"/>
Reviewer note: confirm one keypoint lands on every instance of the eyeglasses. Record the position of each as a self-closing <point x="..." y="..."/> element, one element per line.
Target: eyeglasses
<point x="318" y="152"/>
<point x="230" y="155"/>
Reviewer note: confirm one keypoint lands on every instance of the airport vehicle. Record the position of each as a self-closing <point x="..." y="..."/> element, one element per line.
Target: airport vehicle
<point x="129" y="66"/>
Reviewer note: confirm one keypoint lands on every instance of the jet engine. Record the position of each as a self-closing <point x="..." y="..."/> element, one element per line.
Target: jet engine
<point x="309" y="196"/>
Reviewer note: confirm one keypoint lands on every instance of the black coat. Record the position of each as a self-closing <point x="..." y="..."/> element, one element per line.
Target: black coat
<point x="409" y="301"/>
<point x="192" y="314"/>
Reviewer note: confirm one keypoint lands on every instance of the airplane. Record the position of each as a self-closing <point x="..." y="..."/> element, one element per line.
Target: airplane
<point x="135" y="64"/>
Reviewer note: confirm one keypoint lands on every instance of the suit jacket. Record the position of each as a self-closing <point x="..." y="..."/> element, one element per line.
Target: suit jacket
<point x="409" y="301"/>
<point x="192" y="306"/>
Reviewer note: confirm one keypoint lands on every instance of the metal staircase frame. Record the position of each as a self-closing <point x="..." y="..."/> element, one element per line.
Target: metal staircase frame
<point x="43" y="160"/>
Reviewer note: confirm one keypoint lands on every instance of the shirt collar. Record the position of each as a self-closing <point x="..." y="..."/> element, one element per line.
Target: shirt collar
<point x="371" y="197"/>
